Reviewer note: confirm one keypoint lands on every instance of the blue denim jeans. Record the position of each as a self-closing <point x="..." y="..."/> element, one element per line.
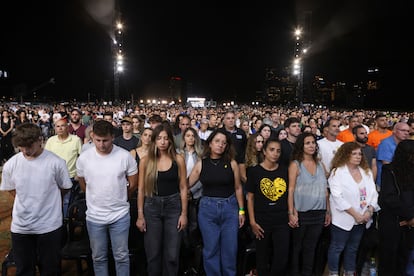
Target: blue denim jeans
<point x="162" y="239"/>
<point x="218" y="220"/>
<point x="118" y="234"/>
<point x="68" y="197"/>
<point x="409" y="270"/>
<point x="346" y="242"/>
<point x="37" y="249"/>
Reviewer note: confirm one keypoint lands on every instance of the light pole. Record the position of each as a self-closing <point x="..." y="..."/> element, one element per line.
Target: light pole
<point x="298" y="64"/>
<point x="118" y="56"/>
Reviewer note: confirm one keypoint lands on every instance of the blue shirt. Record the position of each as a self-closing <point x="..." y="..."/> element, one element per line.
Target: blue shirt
<point x="385" y="152"/>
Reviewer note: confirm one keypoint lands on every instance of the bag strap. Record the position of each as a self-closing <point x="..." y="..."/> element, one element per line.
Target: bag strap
<point x="395" y="182"/>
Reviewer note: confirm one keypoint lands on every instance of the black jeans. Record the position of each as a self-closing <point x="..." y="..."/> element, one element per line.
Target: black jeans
<point x="42" y="250"/>
<point x="305" y="239"/>
<point x="162" y="239"/>
<point x="272" y="251"/>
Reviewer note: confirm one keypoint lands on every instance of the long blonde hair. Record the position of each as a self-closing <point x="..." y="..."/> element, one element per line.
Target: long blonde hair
<point x="252" y="156"/>
<point x="151" y="171"/>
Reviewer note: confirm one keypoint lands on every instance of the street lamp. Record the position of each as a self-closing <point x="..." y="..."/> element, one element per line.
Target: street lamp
<point x="299" y="52"/>
<point x="118" y="55"/>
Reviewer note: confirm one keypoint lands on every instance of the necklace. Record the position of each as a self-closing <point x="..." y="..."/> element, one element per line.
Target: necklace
<point x="215" y="162"/>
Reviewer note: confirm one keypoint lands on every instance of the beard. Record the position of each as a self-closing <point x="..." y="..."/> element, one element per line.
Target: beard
<point x="362" y="140"/>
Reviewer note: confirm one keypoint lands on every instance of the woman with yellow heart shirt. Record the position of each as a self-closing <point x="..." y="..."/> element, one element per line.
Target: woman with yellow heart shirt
<point x="267" y="208"/>
<point x="308" y="203"/>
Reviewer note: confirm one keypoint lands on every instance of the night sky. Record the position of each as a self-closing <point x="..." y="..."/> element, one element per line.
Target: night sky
<point x="221" y="50"/>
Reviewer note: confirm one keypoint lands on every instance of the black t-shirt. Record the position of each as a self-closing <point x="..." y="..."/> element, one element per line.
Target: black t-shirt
<point x="270" y="189"/>
<point x="239" y="141"/>
<point x="126" y="144"/>
<point x="286" y="148"/>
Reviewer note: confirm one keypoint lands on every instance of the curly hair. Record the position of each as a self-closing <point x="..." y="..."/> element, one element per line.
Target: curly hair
<point x="298" y="152"/>
<point x="26" y="134"/>
<point x="343" y="155"/>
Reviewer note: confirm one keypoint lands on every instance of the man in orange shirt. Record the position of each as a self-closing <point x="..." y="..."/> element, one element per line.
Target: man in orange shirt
<point x="346" y="135"/>
<point x="381" y="131"/>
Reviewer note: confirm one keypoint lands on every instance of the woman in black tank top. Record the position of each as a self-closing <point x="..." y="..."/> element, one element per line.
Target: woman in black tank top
<point x="162" y="203"/>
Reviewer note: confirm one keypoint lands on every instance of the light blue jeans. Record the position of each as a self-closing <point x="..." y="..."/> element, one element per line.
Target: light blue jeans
<point x="218" y="219"/>
<point x="99" y="240"/>
<point x="346" y="242"/>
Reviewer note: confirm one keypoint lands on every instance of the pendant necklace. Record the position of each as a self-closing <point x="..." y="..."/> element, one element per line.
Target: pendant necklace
<point x="215" y="162"/>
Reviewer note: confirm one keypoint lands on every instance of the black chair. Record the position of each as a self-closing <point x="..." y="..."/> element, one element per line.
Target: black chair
<point x="249" y="258"/>
<point x="8" y="262"/>
<point x="247" y="251"/>
<point x="77" y="245"/>
<point x="137" y="257"/>
<point x="138" y="260"/>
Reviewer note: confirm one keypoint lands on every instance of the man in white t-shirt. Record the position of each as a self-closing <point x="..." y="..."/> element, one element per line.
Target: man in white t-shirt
<point x="328" y="146"/>
<point x="35" y="177"/>
<point x="108" y="174"/>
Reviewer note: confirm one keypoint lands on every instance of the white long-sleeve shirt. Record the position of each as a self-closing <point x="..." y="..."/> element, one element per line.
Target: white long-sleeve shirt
<point x="345" y="193"/>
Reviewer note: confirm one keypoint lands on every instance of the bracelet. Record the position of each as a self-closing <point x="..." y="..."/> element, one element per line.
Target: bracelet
<point x="241" y="209"/>
<point x="290" y="213"/>
<point x="241" y="212"/>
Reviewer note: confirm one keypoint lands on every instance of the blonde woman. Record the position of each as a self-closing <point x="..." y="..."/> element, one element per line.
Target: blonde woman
<point x="162" y="202"/>
<point x="254" y="154"/>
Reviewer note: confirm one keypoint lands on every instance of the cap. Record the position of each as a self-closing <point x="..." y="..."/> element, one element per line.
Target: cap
<point x="126" y="119"/>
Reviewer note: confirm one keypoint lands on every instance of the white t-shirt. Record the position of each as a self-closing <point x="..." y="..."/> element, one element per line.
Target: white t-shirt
<point x="106" y="183"/>
<point x="37" y="207"/>
<point x="327" y="150"/>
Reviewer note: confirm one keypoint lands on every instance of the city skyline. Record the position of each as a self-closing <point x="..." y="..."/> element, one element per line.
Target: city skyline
<point x="221" y="51"/>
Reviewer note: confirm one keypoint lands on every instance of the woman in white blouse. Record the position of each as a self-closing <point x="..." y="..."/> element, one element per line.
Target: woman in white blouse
<point x="353" y="200"/>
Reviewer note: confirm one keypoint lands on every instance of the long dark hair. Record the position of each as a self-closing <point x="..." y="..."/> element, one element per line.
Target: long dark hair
<point x="403" y="164"/>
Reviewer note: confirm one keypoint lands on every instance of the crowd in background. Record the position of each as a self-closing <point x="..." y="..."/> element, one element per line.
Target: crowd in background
<point x="249" y="118"/>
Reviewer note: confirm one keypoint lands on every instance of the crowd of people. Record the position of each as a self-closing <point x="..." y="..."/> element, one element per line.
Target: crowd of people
<point x="307" y="186"/>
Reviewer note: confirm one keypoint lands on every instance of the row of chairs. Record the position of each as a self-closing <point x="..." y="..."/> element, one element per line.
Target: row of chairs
<point x="75" y="245"/>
